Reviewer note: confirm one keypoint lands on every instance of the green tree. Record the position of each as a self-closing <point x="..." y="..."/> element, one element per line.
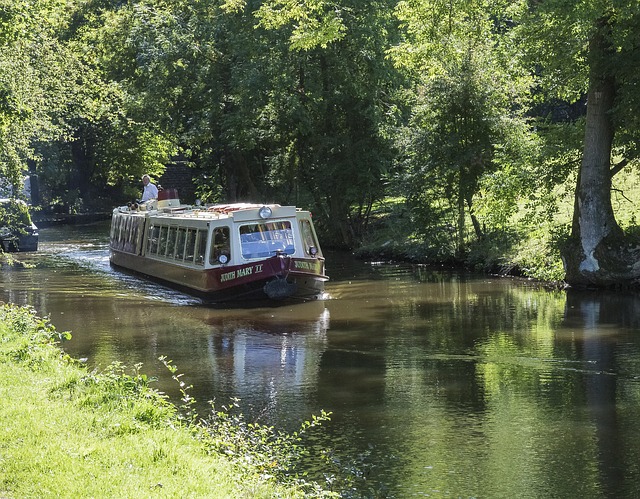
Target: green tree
<point x="468" y="120"/>
<point x="112" y="140"/>
<point x="37" y="75"/>
<point x="271" y="100"/>
<point x="56" y="110"/>
<point x="589" y="47"/>
<point x="195" y="71"/>
<point x="336" y="130"/>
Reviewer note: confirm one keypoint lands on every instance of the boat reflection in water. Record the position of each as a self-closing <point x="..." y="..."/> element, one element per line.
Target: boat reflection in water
<point x="267" y="358"/>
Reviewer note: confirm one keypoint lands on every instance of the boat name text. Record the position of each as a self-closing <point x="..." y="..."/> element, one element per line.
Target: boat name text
<point x="235" y="274"/>
<point x="306" y="265"/>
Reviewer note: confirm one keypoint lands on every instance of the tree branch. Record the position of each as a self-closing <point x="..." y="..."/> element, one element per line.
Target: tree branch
<point x="618" y="166"/>
<point x="621" y="192"/>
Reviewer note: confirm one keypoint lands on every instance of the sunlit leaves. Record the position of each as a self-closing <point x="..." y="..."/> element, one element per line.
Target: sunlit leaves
<point x="468" y="129"/>
<point x="233" y="6"/>
<point x="553" y="38"/>
<point x="14" y="20"/>
<point x="37" y="80"/>
<point x="439" y="31"/>
<point x="314" y="23"/>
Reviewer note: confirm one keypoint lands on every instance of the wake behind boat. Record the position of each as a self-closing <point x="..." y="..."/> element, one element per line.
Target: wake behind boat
<point x="229" y="252"/>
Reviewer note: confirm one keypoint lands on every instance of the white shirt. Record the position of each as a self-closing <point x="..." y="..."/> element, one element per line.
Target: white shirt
<point x="150" y="192"/>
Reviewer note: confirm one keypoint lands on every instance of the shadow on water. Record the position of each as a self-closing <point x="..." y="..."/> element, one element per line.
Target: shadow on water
<point x="441" y="383"/>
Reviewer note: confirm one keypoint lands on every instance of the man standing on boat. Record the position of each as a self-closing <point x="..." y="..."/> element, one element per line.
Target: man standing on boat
<point x="150" y="190"/>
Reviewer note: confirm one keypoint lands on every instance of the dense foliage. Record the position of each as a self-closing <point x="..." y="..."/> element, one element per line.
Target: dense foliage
<point x="472" y="114"/>
<point x="14" y="213"/>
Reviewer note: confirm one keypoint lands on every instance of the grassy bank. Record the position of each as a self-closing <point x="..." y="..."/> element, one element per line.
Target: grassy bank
<point x="68" y="432"/>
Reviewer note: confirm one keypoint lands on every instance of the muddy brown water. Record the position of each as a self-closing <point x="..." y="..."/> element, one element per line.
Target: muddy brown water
<point x="440" y="384"/>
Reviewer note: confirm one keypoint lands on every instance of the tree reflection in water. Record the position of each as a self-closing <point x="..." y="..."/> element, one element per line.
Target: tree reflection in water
<point x="450" y="384"/>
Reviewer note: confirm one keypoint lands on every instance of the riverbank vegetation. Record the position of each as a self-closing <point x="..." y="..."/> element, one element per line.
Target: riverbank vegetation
<point x="476" y="124"/>
<point x="71" y="432"/>
<point x="528" y="247"/>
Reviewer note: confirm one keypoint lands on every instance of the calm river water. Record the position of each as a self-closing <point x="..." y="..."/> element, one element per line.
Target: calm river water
<point x="441" y="384"/>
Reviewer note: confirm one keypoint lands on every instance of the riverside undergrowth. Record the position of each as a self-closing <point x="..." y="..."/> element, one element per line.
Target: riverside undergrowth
<point x="275" y="454"/>
<point x="251" y="446"/>
<point x="66" y="431"/>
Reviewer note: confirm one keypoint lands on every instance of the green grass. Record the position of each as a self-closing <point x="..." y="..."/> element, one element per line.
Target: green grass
<point x="67" y="432"/>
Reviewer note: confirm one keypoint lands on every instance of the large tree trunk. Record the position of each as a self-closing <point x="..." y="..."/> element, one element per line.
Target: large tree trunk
<point x="597" y="254"/>
<point x="593" y="219"/>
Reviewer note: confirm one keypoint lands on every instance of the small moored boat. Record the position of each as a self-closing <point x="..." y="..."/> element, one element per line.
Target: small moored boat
<point x="17" y="231"/>
<point x="229" y="252"/>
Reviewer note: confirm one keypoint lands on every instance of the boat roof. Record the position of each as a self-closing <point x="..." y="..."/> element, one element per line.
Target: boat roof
<point x="237" y="211"/>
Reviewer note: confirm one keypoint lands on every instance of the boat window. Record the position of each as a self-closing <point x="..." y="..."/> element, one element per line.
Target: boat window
<point x="162" y="241"/>
<point x="118" y="232"/>
<point x="154" y="236"/>
<point x="140" y="235"/>
<point x="308" y="238"/>
<point x="190" y="245"/>
<point x="180" y="240"/>
<point x="171" y="242"/>
<point x="135" y="230"/>
<point x="123" y="232"/>
<point x="201" y="246"/>
<point x="262" y="240"/>
<point x="127" y="245"/>
<point x="115" y="230"/>
<point x="115" y="225"/>
<point x="220" y="246"/>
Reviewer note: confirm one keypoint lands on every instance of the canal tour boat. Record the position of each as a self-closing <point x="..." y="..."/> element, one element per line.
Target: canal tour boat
<point x="230" y="252"/>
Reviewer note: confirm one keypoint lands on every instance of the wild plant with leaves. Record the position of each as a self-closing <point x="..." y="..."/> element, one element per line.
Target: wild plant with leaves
<point x="251" y="445"/>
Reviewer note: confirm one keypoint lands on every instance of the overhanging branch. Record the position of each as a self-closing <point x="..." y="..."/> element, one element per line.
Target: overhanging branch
<point x="618" y="166"/>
